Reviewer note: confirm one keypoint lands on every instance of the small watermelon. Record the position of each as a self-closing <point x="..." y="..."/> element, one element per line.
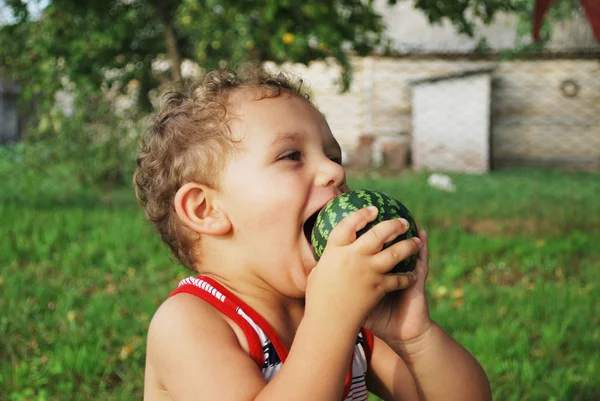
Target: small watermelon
<point x="346" y="203"/>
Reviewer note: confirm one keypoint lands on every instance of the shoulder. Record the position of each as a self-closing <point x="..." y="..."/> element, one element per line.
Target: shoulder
<point x="192" y="347"/>
<point x="186" y="318"/>
<point x="184" y="308"/>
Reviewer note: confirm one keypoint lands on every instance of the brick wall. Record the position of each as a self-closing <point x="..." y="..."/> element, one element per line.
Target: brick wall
<point x="544" y="112"/>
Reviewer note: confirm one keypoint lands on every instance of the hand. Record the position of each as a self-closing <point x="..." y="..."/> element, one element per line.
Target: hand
<point x="351" y="276"/>
<point x="403" y="316"/>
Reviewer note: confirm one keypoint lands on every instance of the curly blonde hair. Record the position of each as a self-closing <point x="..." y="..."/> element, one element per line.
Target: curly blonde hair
<point x="189" y="140"/>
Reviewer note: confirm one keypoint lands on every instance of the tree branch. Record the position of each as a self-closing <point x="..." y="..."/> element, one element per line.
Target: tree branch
<point x="164" y="16"/>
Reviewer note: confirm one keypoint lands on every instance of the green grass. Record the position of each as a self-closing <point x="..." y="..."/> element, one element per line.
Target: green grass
<point x="514" y="261"/>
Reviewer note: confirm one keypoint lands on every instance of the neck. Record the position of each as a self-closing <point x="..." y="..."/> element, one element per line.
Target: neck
<point x="257" y="286"/>
<point x="281" y="312"/>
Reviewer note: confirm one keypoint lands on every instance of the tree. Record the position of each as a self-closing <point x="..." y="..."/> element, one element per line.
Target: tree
<point x="463" y="13"/>
<point x="87" y="44"/>
<point x="98" y="43"/>
<point x="98" y="49"/>
<point x="591" y="8"/>
<point x="84" y="40"/>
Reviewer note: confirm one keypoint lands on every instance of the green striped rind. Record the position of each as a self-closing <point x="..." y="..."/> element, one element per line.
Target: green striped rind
<point x="328" y="218"/>
<point x="343" y="205"/>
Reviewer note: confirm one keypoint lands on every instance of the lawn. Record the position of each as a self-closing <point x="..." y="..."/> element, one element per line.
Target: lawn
<point x="515" y="259"/>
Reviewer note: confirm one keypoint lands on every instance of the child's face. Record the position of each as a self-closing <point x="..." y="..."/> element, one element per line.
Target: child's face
<point x="287" y="169"/>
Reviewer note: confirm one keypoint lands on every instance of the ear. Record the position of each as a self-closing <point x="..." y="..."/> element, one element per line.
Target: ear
<point x="195" y="207"/>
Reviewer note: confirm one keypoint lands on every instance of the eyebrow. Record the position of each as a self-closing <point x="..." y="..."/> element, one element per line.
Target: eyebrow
<point x="287" y="137"/>
<point x="296" y="136"/>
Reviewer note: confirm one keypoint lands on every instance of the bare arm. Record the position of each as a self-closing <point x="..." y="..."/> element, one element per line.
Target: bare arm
<point x="441" y="368"/>
<point x="317" y="364"/>
<point x="195" y="355"/>
<point x="388" y="376"/>
<point x="444" y="369"/>
<point x="436" y="366"/>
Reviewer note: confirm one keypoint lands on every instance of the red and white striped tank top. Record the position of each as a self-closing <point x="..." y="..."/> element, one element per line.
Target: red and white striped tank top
<point x="266" y="349"/>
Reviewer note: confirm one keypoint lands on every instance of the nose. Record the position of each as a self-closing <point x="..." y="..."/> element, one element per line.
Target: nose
<point x="330" y="174"/>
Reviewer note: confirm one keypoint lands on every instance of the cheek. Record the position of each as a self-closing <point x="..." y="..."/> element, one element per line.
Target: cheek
<point x="263" y="218"/>
<point x="265" y="203"/>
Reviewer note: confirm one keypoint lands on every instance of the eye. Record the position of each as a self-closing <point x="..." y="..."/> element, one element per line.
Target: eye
<point x="294" y="156"/>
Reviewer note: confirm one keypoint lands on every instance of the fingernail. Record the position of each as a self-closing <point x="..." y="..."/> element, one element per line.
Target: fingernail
<point x="373" y="208"/>
<point x="418" y="241"/>
<point x="404" y="222"/>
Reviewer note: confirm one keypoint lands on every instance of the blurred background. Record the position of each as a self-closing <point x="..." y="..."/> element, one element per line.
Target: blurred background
<point x="483" y="117"/>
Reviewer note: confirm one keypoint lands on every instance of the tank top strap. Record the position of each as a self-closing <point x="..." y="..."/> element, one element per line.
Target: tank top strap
<point x="205" y="289"/>
<point x="367" y="344"/>
<point x="254" y="326"/>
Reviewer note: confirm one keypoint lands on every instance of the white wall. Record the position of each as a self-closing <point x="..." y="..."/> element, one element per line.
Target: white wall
<point x="410" y="31"/>
<point x="451" y="124"/>
<point x="533" y="121"/>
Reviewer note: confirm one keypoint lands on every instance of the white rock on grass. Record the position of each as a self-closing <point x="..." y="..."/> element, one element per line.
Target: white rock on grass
<point x="441" y="182"/>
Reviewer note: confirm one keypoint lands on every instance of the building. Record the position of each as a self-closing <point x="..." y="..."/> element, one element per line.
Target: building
<point x="544" y="109"/>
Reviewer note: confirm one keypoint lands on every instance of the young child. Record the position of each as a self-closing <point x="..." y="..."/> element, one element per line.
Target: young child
<point x="229" y="175"/>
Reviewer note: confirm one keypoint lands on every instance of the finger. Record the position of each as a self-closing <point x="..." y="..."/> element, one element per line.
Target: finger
<point x="400" y="281"/>
<point x="424" y="251"/>
<point x="344" y="233"/>
<point x="422" y="267"/>
<point x="385" y="260"/>
<point x="373" y="240"/>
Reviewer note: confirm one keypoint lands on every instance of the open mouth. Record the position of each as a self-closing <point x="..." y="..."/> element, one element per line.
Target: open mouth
<point x="308" y="227"/>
